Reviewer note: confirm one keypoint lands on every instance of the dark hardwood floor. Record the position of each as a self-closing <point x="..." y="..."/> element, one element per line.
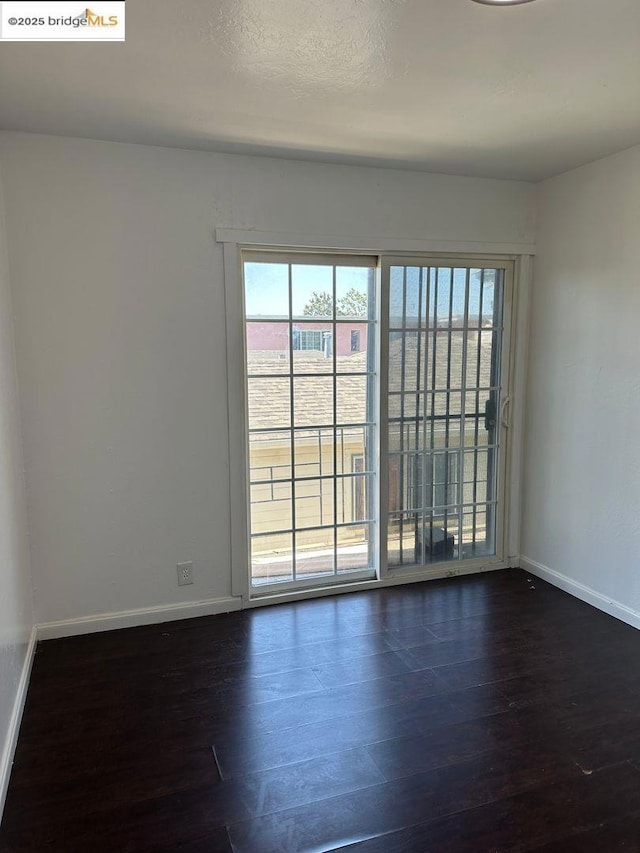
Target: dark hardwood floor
<point x="487" y="713"/>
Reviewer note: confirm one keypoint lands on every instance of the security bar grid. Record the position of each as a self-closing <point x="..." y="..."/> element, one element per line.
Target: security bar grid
<point x="445" y="329"/>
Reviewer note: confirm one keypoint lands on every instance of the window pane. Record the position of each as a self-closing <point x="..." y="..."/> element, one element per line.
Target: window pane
<point x="354" y="545"/>
<point x="396" y="346"/>
<point x="481" y="359"/>
<point x="407" y="435"/>
<point x="481" y="409"/>
<point x="270" y="456"/>
<point x="413" y="297"/>
<point x="312" y="400"/>
<point x="312" y="291"/>
<point x="459" y="298"/>
<point x="480" y="475"/>
<point x="401" y="535"/>
<point x="478" y="531"/>
<point x="455" y="356"/>
<point x="352" y="499"/>
<point x="355" y="292"/>
<point x="352" y="446"/>
<point x="443" y="304"/>
<point x="407" y="360"/>
<point x="444" y="359"/>
<point x="271" y="558"/>
<point x="396" y="298"/>
<point x="474" y="298"/>
<point x="442" y="477"/>
<point x="314" y="503"/>
<point x="314" y="451"/>
<point x="266" y="290"/>
<point x="312" y="347"/>
<point x="407" y="407"/>
<point x="315" y="552"/>
<point x="440" y="534"/>
<point x="488" y="298"/>
<point x="267" y="348"/>
<point x="354" y="354"/>
<point x="351" y="398"/>
<point x="270" y="507"/>
<point x="269" y="402"/>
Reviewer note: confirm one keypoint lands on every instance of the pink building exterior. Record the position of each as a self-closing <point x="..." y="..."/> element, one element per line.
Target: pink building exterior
<point x="274" y="336"/>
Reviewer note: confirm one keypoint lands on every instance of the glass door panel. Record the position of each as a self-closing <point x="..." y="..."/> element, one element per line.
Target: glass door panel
<point x="311" y="387"/>
<point x="445" y="387"/>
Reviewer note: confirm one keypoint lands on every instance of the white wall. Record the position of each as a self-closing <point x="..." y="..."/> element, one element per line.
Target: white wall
<point x="16" y="611"/>
<point x="581" y="507"/>
<point x="120" y="329"/>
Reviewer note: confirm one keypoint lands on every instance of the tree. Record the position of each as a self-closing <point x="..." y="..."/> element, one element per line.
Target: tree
<point x="353" y="304"/>
<point x="319" y="305"/>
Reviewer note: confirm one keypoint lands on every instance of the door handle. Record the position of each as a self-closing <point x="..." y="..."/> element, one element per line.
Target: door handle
<point x="503" y="412"/>
<point x="490" y="414"/>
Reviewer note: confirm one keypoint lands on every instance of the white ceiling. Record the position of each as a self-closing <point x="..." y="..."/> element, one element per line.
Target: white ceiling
<point x="444" y="85"/>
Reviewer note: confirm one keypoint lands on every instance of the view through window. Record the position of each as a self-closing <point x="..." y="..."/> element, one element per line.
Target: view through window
<point x="310" y="352"/>
<point x="320" y="414"/>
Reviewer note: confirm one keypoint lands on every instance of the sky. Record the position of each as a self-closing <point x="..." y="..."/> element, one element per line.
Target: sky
<point x="266" y="288"/>
<point x="266" y="285"/>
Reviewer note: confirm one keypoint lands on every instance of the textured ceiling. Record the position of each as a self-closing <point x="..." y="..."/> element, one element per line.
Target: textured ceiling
<point x="445" y="85"/>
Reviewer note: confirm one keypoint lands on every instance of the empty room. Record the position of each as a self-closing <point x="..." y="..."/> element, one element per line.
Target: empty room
<point x="319" y="417"/>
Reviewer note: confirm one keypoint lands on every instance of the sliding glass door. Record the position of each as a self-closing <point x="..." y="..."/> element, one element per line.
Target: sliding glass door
<point x="376" y="415"/>
<point x="311" y="389"/>
<point x="444" y="411"/>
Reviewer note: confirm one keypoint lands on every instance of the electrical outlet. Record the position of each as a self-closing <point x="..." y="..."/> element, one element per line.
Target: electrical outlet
<point x="185" y="574"/>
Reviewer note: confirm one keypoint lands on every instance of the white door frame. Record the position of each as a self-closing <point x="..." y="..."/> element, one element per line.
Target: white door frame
<point x="234" y="241"/>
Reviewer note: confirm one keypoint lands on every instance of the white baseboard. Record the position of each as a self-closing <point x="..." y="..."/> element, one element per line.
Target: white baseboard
<point x="584" y="593"/>
<point x="132" y="618"/>
<point x="16" y="718"/>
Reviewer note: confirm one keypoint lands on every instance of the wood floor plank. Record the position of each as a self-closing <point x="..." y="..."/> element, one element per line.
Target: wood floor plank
<point x="529" y="820"/>
<point x="327" y="704"/>
<point x="410" y="717"/>
<point x="443" y="746"/>
<point x="613" y="836"/>
<point x="391" y="806"/>
<point x="484" y="713"/>
<point x="319" y="654"/>
<point x="366" y="668"/>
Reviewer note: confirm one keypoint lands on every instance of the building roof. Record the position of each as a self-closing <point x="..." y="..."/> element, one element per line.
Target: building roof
<point x="313" y="396"/>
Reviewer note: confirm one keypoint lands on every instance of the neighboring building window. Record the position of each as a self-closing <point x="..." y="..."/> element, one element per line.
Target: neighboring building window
<point x="355" y="340"/>
<point x="307" y="340"/>
<point x="313" y="340"/>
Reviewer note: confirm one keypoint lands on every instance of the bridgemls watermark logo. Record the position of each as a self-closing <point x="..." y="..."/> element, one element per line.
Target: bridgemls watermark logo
<point x="22" y="20"/>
